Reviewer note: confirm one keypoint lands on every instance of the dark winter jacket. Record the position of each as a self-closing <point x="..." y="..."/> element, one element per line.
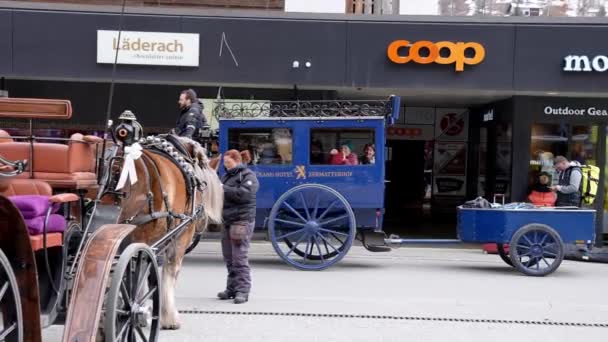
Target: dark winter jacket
<point x="240" y="187"/>
<point x="190" y="121"/>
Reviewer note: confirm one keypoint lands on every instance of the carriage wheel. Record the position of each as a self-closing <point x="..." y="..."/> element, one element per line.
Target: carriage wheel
<point x="133" y="302"/>
<point x="10" y="303"/>
<point x="312" y="226"/>
<point x="503" y="254"/>
<point x="195" y="240"/>
<point x="536" y="250"/>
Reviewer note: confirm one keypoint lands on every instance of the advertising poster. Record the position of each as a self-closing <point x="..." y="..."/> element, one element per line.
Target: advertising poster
<point x="450" y="168"/>
<point x="451" y="124"/>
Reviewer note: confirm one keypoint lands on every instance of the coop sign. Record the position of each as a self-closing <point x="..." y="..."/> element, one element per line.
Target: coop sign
<point x="148" y="48"/>
<point x="427" y="52"/>
<point x="590" y="111"/>
<point x="582" y="63"/>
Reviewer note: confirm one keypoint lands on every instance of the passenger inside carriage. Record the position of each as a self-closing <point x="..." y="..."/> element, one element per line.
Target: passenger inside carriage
<point x="369" y="154"/>
<point x="346" y="140"/>
<point x="344" y="157"/>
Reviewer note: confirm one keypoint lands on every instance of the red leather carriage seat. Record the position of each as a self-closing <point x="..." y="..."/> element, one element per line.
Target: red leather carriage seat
<point x="52" y="240"/>
<point x="63" y="166"/>
<point x="5" y="137"/>
<point x="13" y="187"/>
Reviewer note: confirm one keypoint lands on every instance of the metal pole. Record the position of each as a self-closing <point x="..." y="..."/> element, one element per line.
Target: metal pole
<point x="31" y="138"/>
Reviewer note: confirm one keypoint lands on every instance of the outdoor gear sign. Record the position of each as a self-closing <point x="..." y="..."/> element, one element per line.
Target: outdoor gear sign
<point x="589" y="111"/>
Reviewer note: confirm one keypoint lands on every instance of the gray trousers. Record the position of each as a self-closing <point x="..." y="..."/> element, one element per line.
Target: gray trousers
<point x="237" y="260"/>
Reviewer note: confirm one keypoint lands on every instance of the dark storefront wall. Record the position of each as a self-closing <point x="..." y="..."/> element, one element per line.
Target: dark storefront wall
<point x="344" y="54"/>
<point x="6" y="42"/>
<point x="263" y="49"/>
<point x="539" y="58"/>
<point x="368" y="65"/>
<point x="155" y="105"/>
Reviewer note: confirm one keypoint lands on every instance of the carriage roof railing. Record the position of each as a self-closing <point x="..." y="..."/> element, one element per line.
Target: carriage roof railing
<point x="260" y="109"/>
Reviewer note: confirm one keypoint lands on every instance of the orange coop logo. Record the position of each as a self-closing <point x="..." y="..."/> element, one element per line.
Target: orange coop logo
<point x="434" y="53"/>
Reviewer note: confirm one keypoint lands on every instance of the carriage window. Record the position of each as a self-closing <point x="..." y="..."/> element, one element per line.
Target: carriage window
<point x="342" y="146"/>
<point x="266" y="146"/>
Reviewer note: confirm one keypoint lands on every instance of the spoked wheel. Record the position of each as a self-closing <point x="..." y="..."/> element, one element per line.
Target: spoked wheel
<point x="312" y="226"/>
<point x="11" y="328"/>
<point x="503" y="254"/>
<point x="133" y="302"/>
<point x="195" y="240"/>
<point x="536" y="250"/>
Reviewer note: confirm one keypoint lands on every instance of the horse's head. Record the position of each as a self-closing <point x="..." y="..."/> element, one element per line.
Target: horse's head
<point x="121" y="163"/>
<point x="128" y="131"/>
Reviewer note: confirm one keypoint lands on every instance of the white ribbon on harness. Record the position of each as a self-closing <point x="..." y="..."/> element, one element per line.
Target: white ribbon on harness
<point x="132" y="153"/>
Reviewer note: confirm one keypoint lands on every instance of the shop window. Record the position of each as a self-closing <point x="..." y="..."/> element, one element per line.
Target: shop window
<point x="342" y="146"/>
<point x="547" y="142"/>
<point x="266" y="146"/>
<point x="577" y="143"/>
<point x="584" y="142"/>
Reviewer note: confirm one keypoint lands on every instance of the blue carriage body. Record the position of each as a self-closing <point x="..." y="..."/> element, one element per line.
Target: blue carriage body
<point x="498" y="225"/>
<point x="361" y="185"/>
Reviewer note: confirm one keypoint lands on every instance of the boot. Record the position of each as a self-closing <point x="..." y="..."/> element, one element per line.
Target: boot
<point x="226" y="294"/>
<point x="241" y="298"/>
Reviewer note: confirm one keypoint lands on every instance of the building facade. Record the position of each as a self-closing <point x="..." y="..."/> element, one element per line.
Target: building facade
<point x="487" y="104"/>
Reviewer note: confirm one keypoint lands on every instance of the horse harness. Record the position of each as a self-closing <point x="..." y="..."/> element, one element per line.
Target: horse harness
<point x="172" y="149"/>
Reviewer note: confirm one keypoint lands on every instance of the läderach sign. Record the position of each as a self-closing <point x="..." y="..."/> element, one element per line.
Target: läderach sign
<point x="148" y="48"/>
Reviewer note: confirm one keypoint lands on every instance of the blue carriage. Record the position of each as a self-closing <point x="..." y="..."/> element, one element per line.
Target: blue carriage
<point x="321" y="170"/>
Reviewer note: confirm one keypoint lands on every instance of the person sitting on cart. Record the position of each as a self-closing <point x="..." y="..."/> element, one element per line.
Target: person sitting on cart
<point x="344" y="157"/>
<point x="240" y="188"/>
<point x="369" y="154"/>
<point x="191" y="120"/>
<point x="541" y="194"/>
<point x="569" y="182"/>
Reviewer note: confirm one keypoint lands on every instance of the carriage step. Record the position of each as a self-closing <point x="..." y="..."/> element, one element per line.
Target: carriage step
<point x="378" y="249"/>
<point x="374" y="242"/>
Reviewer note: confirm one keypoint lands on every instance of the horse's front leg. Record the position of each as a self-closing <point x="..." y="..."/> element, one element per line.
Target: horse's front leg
<point x="169" y="317"/>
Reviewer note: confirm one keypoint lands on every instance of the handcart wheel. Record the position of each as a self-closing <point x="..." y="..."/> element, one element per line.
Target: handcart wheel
<point x="506" y="257"/>
<point x="195" y="240"/>
<point x="312" y="227"/>
<point x="536" y="250"/>
<point x="503" y="254"/>
<point x="133" y="301"/>
<point x="10" y="302"/>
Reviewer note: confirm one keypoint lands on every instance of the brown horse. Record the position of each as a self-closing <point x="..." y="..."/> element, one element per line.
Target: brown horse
<point x="159" y="176"/>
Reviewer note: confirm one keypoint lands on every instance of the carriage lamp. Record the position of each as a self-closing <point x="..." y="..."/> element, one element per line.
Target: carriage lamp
<point x="128" y="130"/>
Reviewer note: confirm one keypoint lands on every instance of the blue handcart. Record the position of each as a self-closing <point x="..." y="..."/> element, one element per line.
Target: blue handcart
<point x="536" y="237"/>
